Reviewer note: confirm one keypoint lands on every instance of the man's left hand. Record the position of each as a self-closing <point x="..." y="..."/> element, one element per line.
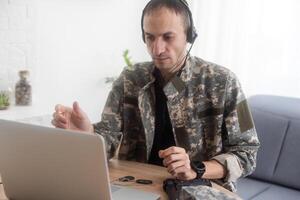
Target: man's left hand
<point x="177" y="162"/>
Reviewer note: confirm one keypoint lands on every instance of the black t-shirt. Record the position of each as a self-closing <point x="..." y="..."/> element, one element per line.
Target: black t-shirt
<point x="163" y="137"/>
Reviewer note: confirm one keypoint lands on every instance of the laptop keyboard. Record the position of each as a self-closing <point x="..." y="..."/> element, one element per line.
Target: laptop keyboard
<point x="42" y="120"/>
<point x="114" y="188"/>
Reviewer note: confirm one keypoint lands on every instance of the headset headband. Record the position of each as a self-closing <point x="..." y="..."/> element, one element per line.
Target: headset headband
<point x="191" y="31"/>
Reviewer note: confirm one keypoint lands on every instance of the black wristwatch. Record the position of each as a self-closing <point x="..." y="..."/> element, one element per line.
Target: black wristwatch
<point x="199" y="168"/>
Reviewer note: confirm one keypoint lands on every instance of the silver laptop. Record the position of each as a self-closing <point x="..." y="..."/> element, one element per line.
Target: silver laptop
<point x="54" y="164"/>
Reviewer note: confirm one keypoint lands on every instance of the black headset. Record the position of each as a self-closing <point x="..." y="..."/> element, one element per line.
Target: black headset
<point x="191" y="31"/>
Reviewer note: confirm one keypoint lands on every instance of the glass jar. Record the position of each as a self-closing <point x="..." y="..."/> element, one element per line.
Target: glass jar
<point x="23" y="89"/>
<point x="5" y="93"/>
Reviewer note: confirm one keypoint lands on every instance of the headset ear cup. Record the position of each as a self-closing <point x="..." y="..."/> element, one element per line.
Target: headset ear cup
<point x="192" y="35"/>
<point x="189" y="36"/>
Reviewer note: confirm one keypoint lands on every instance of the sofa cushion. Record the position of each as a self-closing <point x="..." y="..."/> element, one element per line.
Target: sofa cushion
<point x="271" y="130"/>
<point x="288" y="168"/>
<point x="276" y="192"/>
<point x="249" y="188"/>
<point x="277" y="121"/>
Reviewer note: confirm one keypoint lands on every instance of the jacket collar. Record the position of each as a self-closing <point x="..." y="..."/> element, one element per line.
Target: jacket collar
<point x="178" y="83"/>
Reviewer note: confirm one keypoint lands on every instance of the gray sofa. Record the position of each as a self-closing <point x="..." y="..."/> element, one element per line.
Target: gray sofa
<point x="277" y="175"/>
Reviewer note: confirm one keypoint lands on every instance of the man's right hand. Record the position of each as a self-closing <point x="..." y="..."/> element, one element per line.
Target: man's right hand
<point x="71" y="118"/>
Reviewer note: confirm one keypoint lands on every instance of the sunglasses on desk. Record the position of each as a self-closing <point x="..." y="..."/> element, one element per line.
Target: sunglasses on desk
<point x="131" y="179"/>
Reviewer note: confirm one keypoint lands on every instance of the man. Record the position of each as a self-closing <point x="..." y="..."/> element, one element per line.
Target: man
<point x="178" y="111"/>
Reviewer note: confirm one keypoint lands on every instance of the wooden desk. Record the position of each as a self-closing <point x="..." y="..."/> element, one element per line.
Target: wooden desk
<point x="145" y="171"/>
<point x="157" y="174"/>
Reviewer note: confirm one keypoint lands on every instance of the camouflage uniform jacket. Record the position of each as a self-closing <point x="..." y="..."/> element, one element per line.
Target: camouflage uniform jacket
<point x="208" y="112"/>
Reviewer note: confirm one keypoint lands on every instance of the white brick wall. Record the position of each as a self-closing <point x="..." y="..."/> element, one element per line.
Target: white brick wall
<point x="69" y="46"/>
<point x="16" y="42"/>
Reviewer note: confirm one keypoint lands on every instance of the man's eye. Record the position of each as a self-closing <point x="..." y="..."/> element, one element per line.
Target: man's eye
<point x="149" y="38"/>
<point x="168" y="37"/>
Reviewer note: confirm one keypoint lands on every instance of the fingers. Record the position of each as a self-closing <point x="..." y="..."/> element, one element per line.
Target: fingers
<point x="76" y="107"/>
<point x="173" y="166"/>
<point x="59" y="120"/>
<point x="175" y="157"/>
<point x="60" y="116"/>
<point x="173" y="154"/>
<point x="62" y="109"/>
<point x="171" y="150"/>
<point x="77" y="110"/>
<point x="177" y="162"/>
<point x="182" y="161"/>
<point x="181" y="170"/>
<point x="59" y="124"/>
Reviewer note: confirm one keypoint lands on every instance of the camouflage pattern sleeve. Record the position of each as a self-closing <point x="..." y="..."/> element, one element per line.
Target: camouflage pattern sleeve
<point x="240" y="142"/>
<point x="111" y="124"/>
<point x="203" y="192"/>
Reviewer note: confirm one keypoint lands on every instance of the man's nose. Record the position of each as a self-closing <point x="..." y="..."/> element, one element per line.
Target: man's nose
<point x="159" y="47"/>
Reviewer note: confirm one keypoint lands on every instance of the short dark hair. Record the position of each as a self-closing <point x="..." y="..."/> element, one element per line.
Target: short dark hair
<point x="178" y="6"/>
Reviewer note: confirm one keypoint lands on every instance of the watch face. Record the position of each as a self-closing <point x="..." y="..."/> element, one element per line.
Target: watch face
<point x="199" y="168"/>
<point x="199" y="165"/>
